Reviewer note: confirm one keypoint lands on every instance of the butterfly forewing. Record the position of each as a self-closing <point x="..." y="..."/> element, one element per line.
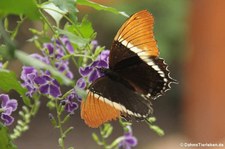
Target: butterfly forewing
<point x="136" y="34"/>
<point x="134" y="55"/>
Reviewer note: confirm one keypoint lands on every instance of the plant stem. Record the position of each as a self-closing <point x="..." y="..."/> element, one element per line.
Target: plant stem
<point x="104" y="144"/>
<point x="62" y="137"/>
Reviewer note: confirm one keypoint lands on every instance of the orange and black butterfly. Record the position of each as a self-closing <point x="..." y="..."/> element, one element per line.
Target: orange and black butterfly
<point x="135" y="76"/>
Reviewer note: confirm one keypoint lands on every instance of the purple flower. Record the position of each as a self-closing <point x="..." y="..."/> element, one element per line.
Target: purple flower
<point x="48" y="85"/>
<point x="63" y="66"/>
<point x="39" y="57"/>
<point x="81" y="83"/>
<point x="94" y="44"/>
<point x="0" y="65"/>
<point x="28" y="75"/>
<point x="92" y="72"/>
<point x="69" y="102"/>
<point x="7" y="107"/>
<point x="41" y="82"/>
<point x="104" y="55"/>
<point x="67" y="44"/>
<point x="128" y="140"/>
<point x="54" y="51"/>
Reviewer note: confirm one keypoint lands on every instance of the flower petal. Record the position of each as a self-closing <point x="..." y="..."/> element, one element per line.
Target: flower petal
<point x="13" y="104"/>
<point x="94" y="44"/>
<point x="69" y="74"/>
<point x="44" y="89"/>
<point x="132" y="141"/>
<point x="8" y="120"/>
<point x="5" y="99"/>
<point x="104" y="55"/>
<point x="40" y="80"/>
<point x="70" y="107"/>
<point x="54" y="91"/>
<point x="93" y="76"/>
<point x="39" y="57"/>
<point x="7" y="111"/>
<point x="102" y="63"/>
<point x="85" y="71"/>
<point x="81" y="83"/>
<point x="49" y="47"/>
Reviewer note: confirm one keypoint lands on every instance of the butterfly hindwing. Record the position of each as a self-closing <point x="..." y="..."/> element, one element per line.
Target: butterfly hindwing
<point x="108" y="99"/>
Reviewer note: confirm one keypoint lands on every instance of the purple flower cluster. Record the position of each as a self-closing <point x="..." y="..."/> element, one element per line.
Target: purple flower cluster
<point x="69" y="102"/>
<point x="41" y="81"/>
<point x="7" y="107"/>
<point x="54" y="52"/>
<point x="0" y="65"/>
<point x="92" y="72"/>
<point x="128" y="140"/>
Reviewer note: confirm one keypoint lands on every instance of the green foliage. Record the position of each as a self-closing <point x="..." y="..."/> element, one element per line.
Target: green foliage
<point x="75" y="39"/>
<point x="154" y="127"/>
<point x="85" y="28"/>
<point x="22" y="125"/>
<point x="68" y="5"/>
<point x="55" y="12"/>
<point x="100" y="7"/>
<point x="9" y="82"/>
<point x="27" y="60"/>
<point x="5" y="141"/>
<point x="80" y="34"/>
<point x="105" y="131"/>
<point x="25" y="7"/>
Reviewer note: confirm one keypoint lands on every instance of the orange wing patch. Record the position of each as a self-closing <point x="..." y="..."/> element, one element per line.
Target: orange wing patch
<point x="95" y="112"/>
<point x="137" y="34"/>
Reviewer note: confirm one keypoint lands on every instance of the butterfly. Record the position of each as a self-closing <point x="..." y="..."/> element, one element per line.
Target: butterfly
<point x="135" y="76"/>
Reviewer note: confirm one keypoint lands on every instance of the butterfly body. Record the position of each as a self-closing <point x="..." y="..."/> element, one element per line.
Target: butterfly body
<point x="135" y="76"/>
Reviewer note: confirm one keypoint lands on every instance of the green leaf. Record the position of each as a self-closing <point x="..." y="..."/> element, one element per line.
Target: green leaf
<point x="108" y="132"/>
<point x="151" y="119"/>
<point x="116" y="142"/>
<point x="157" y="129"/>
<point x="26" y="59"/>
<point x="100" y="7"/>
<point x="5" y="141"/>
<point x="60" y="141"/>
<point x="95" y="137"/>
<point x="26" y="7"/>
<point x="77" y="40"/>
<point x="9" y="81"/>
<point x="54" y="11"/>
<point x="85" y="28"/>
<point x="80" y="92"/>
<point x="66" y="5"/>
